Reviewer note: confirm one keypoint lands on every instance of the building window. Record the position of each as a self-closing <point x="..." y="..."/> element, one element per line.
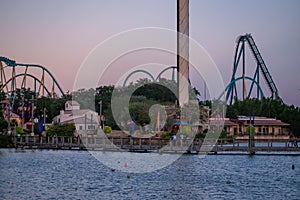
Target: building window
<point x="80" y="127"/>
<point x="91" y="127"/>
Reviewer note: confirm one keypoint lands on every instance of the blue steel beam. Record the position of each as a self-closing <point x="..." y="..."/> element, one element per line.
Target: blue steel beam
<point x="164" y="70"/>
<point x="237" y="79"/>
<point x="137" y="71"/>
<point x="12" y="63"/>
<point x="35" y="79"/>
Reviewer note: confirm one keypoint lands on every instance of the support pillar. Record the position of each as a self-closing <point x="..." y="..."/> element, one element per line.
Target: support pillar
<point x="183" y="51"/>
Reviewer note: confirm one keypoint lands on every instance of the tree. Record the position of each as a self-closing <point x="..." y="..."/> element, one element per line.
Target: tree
<point x="268" y="107"/>
<point x="248" y="130"/>
<point x="85" y="97"/>
<point x="61" y="130"/>
<point x="3" y="125"/>
<point x="107" y="129"/>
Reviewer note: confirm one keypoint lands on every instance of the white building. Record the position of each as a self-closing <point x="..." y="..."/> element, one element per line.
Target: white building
<point x="83" y="119"/>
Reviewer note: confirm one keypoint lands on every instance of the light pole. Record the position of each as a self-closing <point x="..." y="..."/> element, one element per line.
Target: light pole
<point x="22" y="112"/>
<point x="8" y="117"/>
<point x="100" y="113"/>
<point x="44" y="118"/>
<point x="32" y="115"/>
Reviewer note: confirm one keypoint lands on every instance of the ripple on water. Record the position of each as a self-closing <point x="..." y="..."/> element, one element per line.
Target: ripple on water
<point x="78" y="175"/>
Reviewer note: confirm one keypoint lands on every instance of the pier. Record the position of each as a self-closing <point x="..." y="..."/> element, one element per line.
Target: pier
<point x="155" y="144"/>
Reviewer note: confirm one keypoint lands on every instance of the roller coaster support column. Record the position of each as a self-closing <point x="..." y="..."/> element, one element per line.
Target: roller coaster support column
<point x="244" y="71"/>
<point x="32" y="115"/>
<point x="183" y="50"/>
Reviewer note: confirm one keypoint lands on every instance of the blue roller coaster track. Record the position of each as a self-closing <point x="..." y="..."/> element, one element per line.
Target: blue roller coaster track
<point x="231" y="89"/>
<point x="4" y="84"/>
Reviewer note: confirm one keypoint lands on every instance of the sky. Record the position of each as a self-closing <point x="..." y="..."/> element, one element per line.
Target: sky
<point x="59" y="34"/>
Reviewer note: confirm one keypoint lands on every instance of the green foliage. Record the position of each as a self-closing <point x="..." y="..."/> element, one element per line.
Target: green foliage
<point x="107" y="129"/>
<point x="36" y="129"/>
<point x="166" y="135"/>
<point x="13" y="122"/>
<point x="223" y="134"/>
<point x="19" y="130"/>
<point x="157" y="92"/>
<point x="139" y="112"/>
<point x="56" y="106"/>
<point x="26" y="131"/>
<point x="25" y="96"/>
<point x="86" y="98"/>
<point x="267" y="107"/>
<point x="103" y="94"/>
<point x="61" y="130"/>
<point x="248" y="130"/>
<point x="2" y="97"/>
<point x="145" y="94"/>
<point x="3" y="125"/>
<point x="5" y="141"/>
<point x="200" y="135"/>
<point x="186" y="130"/>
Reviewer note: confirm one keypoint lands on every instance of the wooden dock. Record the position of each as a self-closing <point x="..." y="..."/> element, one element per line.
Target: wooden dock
<point x="153" y="144"/>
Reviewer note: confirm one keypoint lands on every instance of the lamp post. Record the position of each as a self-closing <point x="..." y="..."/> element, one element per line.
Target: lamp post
<point x="22" y="111"/>
<point x="8" y="109"/>
<point x="44" y="117"/>
<point x="32" y="115"/>
<point x="100" y="113"/>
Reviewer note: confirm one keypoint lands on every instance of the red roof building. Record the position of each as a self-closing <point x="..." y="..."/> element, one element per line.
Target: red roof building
<point x="263" y="126"/>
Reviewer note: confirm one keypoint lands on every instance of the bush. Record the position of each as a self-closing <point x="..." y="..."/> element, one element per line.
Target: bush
<point x="5" y="141"/>
<point x="186" y="130"/>
<point x="3" y="124"/>
<point x="248" y="130"/>
<point x="200" y="136"/>
<point x="61" y="130"/>
<point x="107" y="129"/>
<point x="166" y="135"/>
<point x="19" y="130"/>
<point x="26" y="131"/>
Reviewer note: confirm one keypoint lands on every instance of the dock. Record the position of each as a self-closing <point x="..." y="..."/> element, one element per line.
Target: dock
<point x="154" y="144"/>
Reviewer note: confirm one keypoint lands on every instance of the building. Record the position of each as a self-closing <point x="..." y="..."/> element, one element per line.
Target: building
<point x="13" y="118"/>
<point x="8" y="114"/>
<point x="263" y="126"/>
<point x="83" y="119"/>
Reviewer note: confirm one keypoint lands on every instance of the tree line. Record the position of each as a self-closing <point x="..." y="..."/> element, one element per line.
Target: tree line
<point x="268" y="107"/>
<point x="144" y="95"/>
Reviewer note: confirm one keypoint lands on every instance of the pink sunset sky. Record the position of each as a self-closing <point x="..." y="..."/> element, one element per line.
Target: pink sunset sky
<point x="59" y="34"/>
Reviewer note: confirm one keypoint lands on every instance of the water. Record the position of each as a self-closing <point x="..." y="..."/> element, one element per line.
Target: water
<point x="51" y="174"/>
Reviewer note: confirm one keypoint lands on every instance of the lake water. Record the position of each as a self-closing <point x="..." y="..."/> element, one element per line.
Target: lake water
<point x="47" y="174"/>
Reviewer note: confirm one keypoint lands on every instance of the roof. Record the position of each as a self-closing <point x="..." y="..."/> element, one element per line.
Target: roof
<point x="261" y="121"/>
<point x="77" y="112"/>
<point x="81" y="120"/>
<point x="268" y="122"/>
<point x="258" y="121"/>
<point x="14" y="115"/>
<point x="229" y="123"/>
<point x="219" y="121"/>
<point x="73" y="103"/>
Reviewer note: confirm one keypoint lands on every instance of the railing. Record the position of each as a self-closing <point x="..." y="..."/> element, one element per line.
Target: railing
<point x="153" y="144"/>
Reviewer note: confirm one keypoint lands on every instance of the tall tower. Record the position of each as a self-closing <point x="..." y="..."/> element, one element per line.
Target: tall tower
<point x="183" y="51"/>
